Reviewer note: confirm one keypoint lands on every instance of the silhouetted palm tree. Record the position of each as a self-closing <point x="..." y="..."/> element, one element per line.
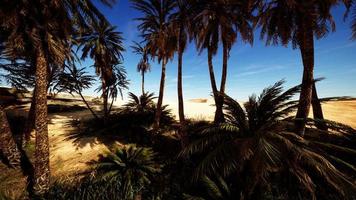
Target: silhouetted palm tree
<point x="74" y="80"/>
<point x="255" y="143"/>
<point x="104" y="45"/>
<point x="299" y="22"/>
<point x="220" y="21"/>
<point x="181" y="25"/>
<point x="43" y="31"/>
<point x="133" y="166"/>
<point x="140" y="103"/>
<point x="143" y="65"/>
<point x="159" y="38"/>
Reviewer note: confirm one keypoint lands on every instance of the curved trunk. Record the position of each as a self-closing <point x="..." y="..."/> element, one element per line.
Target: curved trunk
<point x="317" y="111"/>
<point x="8" y="147"/>
<point x="30" y="122"/>
<point x="42" y="170"/>
<point x="182" y="130"/>
<point x="160" y="97"/>
<point x="307" y="52"/>
<point x="213" y="85"/>
<point x="219" y="116"/>
<point x="88" y="106"/>
<point x="143" y="83"/>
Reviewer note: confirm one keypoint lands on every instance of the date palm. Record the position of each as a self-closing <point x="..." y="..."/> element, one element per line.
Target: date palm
<point x="219" y="22"/>
<point x="103" y="44"/>
<point x="74" y="80"/>
<point x="299" y="22"/>
<point x="255" y="143"/>
<point x="43" y="30"/>
<point x="159" y="38"/>
<point x="181" y="25"/>
<point x="143" y="65"/>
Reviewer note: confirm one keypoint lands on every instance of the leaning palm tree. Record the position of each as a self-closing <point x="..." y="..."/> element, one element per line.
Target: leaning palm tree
<point x="255" y="143"/>
<point x="104" y="45"/>
<point x="299" y="22"/>
<point x="220" y="21"/>
<point x="44" y="29"/>
<point x="159" y="38"/>
<point x="143" y="65"/>
<point x="74" y="80"/>
<point x="133" y="166"/>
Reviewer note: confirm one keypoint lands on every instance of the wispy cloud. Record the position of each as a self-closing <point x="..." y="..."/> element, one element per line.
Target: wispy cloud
<point x="255" y="69"/>
<point x="344" y="46"/>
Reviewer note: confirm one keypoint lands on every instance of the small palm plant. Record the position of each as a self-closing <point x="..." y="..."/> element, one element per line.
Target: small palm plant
<point x="140" y="103"/>
<point x="133" y="166"/>
<point x="214" y="188"/>
<point x="255" y="143"/>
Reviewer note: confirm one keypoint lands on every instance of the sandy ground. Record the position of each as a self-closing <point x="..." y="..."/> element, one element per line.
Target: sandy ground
<point x="340" y="111"/>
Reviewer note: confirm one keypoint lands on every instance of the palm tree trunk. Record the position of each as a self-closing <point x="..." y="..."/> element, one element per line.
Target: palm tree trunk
<point x="8" y="147"/>
<point x="307" y="52"/>
<point x="219" y="116"/>
<point x="143" y="83"/>
<point x="88" y="106"/>
<point x="105" y="99"/>
<point x="42" y="170"/>
<point x="30" y="123"/>
<point x="213" y="85"/>
<point x="160" y="97"/>
<point x="182" y="130"/>
<point x="317" y="111"/>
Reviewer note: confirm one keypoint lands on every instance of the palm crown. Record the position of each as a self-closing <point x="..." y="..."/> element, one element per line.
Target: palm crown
<point x="104" y="45"/>
<point x="254" y="141"/>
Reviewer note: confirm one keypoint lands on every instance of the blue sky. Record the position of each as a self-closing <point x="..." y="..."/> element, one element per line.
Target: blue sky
<point x="251" y="68"/>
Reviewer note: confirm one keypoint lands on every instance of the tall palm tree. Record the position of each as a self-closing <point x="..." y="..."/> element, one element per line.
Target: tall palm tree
<point x="104" y="45"/>
<point x="159" y="38"/>
<point x="299" y="22"/>
<point x="255" y="143"/>
<point x="44" y="29"/>
<point x="181" y="24"/>
<point x="219" y="22"/>
<point x="133" y="166"/>
<point x="143" y="65"/>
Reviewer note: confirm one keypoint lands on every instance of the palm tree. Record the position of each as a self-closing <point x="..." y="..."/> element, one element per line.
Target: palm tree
<point x="220" y="21"/>
<point x="104" y="45"/>
<point x="141" y="103"/>
<point x="143" y="65"/>
<point x="159" y="38"/>
<point x="74" y="80"/>
<point x="299" y="22"/>
<point x="8" y="147"/>
<point x="181" y="25"/>
<point x="43" y="30"/>
<point x="133" y="166"/>
<point x="255" y="143"/>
